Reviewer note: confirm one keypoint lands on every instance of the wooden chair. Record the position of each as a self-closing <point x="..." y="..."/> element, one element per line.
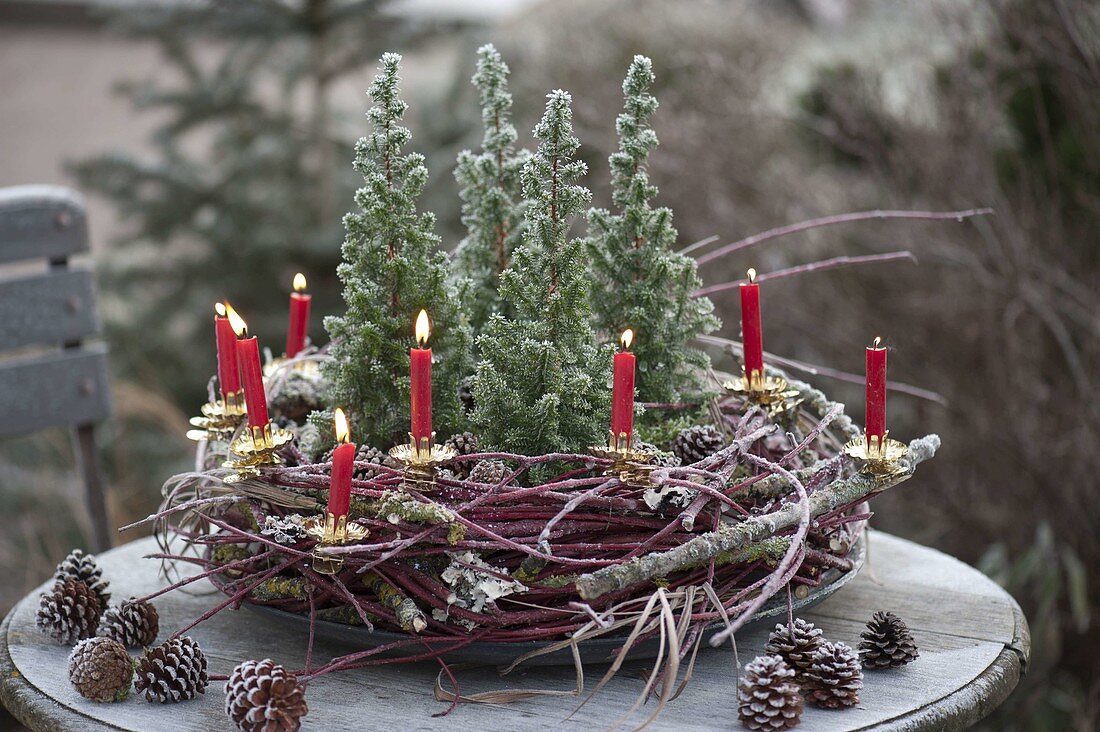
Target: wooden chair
<point x="48" y="376"/>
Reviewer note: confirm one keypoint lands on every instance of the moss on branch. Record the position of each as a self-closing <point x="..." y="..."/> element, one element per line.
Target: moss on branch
<point x="409" y="616"/>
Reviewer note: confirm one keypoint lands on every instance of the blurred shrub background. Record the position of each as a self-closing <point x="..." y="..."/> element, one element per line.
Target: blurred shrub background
<point x="223" y="167"/>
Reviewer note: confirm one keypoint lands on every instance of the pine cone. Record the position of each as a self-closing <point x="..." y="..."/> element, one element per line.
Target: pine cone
<point x="466" y="393"/>
<point x="491" y="472"/>
<point x="834" y="678"/>
<point x="262" y="696"/>
<point x="796" y="644"/>
<point x="464" y="443"/>
<point x="101" y="670"/>
<point x="133" y="624"/>
<point x="887" y="642"/>
<point x="365" y="454"/>
<point x="768" y="697"/>
<point x="661" y="458"/>
<point x="83" y="567"/>
<point x="172" y="672"/>
<point x="68" y="612"/>
<point x="371" y="455"/>
<point x="695" y="443"/>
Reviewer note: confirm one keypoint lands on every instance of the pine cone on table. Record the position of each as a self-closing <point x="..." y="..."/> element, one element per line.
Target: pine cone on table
<point x="262" y="696"/>
<point x="796" y="644"/>
<point x="695" y="443"/>
<point x="768" y="698"/>
<point x="466" y="393"/>
<point x="835" y="677"/>
<point x="101" y="669"/>
<point x="174" y="671"/>
<point x="491" y="472"/>
<point x="464" y="443"/>
<point x="887" y="642"/>
<point x="68" y="612"/>
<point x="83" y="567"/>
<point x="133" y="624"/>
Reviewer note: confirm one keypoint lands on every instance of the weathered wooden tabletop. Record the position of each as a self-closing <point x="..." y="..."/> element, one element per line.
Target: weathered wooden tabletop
<point x="972" y="637"/>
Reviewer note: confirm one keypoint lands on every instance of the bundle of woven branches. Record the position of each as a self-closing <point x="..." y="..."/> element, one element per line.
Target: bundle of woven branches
<point x="692" y="555"/>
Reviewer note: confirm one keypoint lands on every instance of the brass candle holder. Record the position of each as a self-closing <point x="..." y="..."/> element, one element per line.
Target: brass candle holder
<point x="878" y="455"/>
<point x="331" y="531"/>
<point x="630" y="465"/>
<point x="772" y="393"/>
<point x="420" y="460"/>
<point x="220" y="418"/>
<point x="255" y="449"/>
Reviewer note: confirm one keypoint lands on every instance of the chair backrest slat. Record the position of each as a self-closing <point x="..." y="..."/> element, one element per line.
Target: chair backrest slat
<point x="41" y="222"/>
<point x="50" y="308"/>
<point x="60" y="381"/>
<point x="58" y="389"/>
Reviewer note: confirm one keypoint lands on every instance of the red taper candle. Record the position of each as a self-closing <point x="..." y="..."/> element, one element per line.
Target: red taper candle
<point x="229" y="378"/>
<point x="252" y="373"/>
<point x="343" y="459"/>
<point x="876" y="390"/>
<point x="752" y="336"/>
<point x="298" y="328"/>
<point x="420" y="369"/>
<point x="622" y="393"/>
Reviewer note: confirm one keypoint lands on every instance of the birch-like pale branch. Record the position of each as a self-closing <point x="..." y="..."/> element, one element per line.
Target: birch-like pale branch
<point x="731" y="537"/>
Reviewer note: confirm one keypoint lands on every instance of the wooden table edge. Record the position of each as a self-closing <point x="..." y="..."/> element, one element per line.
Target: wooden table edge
<point x="957" y="711"/>
<point x="967" y="706"/>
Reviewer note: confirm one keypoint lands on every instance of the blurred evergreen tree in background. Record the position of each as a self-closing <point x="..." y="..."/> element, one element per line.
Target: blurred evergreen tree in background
<point x="247" y="178"/>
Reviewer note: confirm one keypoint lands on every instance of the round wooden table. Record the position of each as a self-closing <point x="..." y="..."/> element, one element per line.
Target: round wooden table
<point x="973" y="643"/>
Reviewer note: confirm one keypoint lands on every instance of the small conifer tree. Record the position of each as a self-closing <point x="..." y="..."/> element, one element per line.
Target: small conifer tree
<point x="491" y="192"/>
<point x="542" y="384"/>
<point x="392" y="268"/>
<point x="642" y="283"/>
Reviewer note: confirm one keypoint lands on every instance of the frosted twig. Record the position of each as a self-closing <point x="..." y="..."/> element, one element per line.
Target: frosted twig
<point x="839" y="219"/>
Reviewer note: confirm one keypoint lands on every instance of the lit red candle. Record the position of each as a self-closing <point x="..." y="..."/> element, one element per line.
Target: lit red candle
<point x="252" y="374"/>
<point x="752" y="336"/>
<point x="298" y="328"/>
<point x="229" y="379"/>
<point x="622" y="393"/>
<point x="343" y="459"/>
<point x="876" y="392"/>
<point x="420" y="369"/>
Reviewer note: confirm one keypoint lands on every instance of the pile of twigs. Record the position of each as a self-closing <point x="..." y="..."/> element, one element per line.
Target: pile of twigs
<point x="567" y="559"/>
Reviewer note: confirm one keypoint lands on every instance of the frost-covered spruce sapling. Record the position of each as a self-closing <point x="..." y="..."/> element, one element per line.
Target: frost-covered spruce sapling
<point x="492" y="195"/>
<point x="641" y="282"/>
<point x="542" y="383"/>
<point x="392" y="268"/>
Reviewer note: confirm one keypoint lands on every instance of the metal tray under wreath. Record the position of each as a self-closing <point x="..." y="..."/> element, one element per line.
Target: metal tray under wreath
<point x="600" y="649"/>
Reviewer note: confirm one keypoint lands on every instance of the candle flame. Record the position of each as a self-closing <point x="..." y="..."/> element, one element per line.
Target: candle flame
<point x="877" y="343"/>
<point x="299" y="282"/>
<point x="239" y="326"/>
<point x="343" y="432"/>
<point x="752" y="275"/>
<point x="219" y="309"/>
<point x="422" y="328"/>
<point x="627" y="338"/>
